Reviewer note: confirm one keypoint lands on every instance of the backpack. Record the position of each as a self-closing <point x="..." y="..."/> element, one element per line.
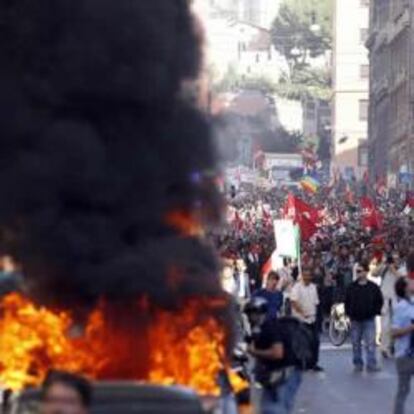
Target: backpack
<point x="301" y="341"/>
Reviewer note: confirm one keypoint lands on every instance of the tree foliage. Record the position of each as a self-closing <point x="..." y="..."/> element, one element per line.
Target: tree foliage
<point x="293" y="35"/>
<point x="305" y="82"/>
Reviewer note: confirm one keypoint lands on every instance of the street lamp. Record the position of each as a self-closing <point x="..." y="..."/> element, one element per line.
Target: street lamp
<point x="314" y="27"/>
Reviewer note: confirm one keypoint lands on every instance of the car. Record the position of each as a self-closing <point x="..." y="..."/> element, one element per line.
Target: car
<point x="123" y="398"/>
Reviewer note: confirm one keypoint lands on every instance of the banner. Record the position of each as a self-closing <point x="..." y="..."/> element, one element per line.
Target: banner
<point x="287" y="238"/>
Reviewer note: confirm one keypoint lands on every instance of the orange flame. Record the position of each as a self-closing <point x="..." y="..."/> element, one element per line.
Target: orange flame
<point x="181" y="347"/>
<point x="185" y="222"/>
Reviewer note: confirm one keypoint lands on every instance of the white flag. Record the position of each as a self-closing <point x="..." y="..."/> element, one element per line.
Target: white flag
<point x="287" y="238"/>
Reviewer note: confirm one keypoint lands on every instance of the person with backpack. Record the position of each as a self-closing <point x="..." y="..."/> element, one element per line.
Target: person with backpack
<point x="363" y="302"/>
<point x="277" y="372"/>
<point x="403" y="334"/>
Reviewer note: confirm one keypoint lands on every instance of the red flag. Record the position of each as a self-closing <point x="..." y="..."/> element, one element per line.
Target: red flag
<point x="296" y="206"/>
<point x="371" y="217"/>
<point x="303" y="214"/>
<point x="410" y="199"/>
<point x="267" y="267"/>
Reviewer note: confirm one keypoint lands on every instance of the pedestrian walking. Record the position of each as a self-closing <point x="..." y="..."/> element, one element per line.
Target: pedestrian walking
<point x="391" y="274"/>
<point x="305" y="302"/>
<point x="403" y="334"/>
<point x="363" y="302"/>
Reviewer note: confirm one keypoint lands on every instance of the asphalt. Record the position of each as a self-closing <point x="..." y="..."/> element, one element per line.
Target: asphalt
<point x="340" y="391"/>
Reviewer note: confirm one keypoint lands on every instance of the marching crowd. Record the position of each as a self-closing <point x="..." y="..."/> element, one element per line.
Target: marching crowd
<point x="357" y="249"/>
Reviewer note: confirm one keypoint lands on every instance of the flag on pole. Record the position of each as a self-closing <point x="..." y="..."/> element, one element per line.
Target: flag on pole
<point x="287" y="237"/>
<point x="371" y="217"/>
<point x="302" y="214"/>
<point x="310" y="184"/>
<point x="274" y="262"/>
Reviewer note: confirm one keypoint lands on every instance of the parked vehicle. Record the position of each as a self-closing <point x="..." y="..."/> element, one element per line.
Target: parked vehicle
<point x="125" y="398"/>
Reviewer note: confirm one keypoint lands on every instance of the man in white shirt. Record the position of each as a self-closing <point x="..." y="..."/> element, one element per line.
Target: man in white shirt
<point x="390" y="272"/>
<point x="242" y="281"/>
<point x="305" y="301"/>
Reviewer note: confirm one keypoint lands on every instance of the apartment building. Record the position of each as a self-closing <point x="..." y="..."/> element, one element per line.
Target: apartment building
<point x="350" y="106"/>
<point x="391" y="125"/>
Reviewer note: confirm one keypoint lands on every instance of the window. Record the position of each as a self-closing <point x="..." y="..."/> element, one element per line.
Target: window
<point x="363" y="36"/>
<point x="364" y="71"/>
<point x="364" y="3"/>
<point x="363" y="153"/>
<point x="363" y="110"/>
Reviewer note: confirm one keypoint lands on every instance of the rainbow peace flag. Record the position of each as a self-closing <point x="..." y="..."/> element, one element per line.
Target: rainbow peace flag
<point x="310" y="184"/>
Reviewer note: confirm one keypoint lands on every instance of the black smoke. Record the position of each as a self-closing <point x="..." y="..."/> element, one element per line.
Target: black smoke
<point x="96" y="147"/>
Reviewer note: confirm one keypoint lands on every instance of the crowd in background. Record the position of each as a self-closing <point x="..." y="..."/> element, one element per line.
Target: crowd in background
<point x="341" y="241"/>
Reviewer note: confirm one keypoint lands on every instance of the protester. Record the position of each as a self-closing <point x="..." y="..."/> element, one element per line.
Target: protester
<point x="275" y="368"/>
<point x="375" y="277"/>
<point x="403" y="333"/>
<point x="65" y="393"/>
<point x="227" y="279"/>
<point x="390" y="273"/>
<point x="272" y="295"/>
<point x="242" y="281"/>
<point x="363" y="302"/>
<point x="305" y="301"/>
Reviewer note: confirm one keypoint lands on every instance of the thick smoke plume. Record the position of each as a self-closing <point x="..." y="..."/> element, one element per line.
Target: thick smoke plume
<point x="97" y="148"/>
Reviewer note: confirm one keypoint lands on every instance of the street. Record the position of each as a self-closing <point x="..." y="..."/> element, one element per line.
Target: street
<point x="339" y="390"/>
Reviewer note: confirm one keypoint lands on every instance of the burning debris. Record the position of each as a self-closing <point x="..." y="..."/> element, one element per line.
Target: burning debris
<point x="182" y="347"/>
<point x="103" y="169"/>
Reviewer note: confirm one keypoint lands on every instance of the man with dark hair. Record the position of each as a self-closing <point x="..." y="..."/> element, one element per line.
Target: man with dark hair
<point x="363" y="302"/>
<point x="272" y="294"/>
<point x="305" y="302"/>
<point x="65" y="393"/>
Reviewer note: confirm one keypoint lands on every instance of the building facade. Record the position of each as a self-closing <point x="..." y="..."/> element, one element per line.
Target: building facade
<point x="391" y="129"/>
<point x="257" y="12"/>
<point x="235" y="45"/>
<point x="350" y="106"/>
<point x="260" y="12"/>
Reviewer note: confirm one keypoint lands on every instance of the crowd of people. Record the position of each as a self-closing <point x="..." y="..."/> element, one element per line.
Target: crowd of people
<point x="360" y="247"/>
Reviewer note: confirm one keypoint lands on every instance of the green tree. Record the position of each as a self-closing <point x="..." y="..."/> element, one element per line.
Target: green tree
<point x="302" y="30"/>
<point x="305" y="82"/>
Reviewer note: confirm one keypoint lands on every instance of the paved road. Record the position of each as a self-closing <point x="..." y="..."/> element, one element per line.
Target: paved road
<point x="340" y="391"/>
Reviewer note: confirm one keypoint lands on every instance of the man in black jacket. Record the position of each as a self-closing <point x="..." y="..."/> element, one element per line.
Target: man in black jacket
<point x="363" y="303"/>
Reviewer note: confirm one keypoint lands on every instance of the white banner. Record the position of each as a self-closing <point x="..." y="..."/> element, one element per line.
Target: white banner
<point x="287" y="238"/>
